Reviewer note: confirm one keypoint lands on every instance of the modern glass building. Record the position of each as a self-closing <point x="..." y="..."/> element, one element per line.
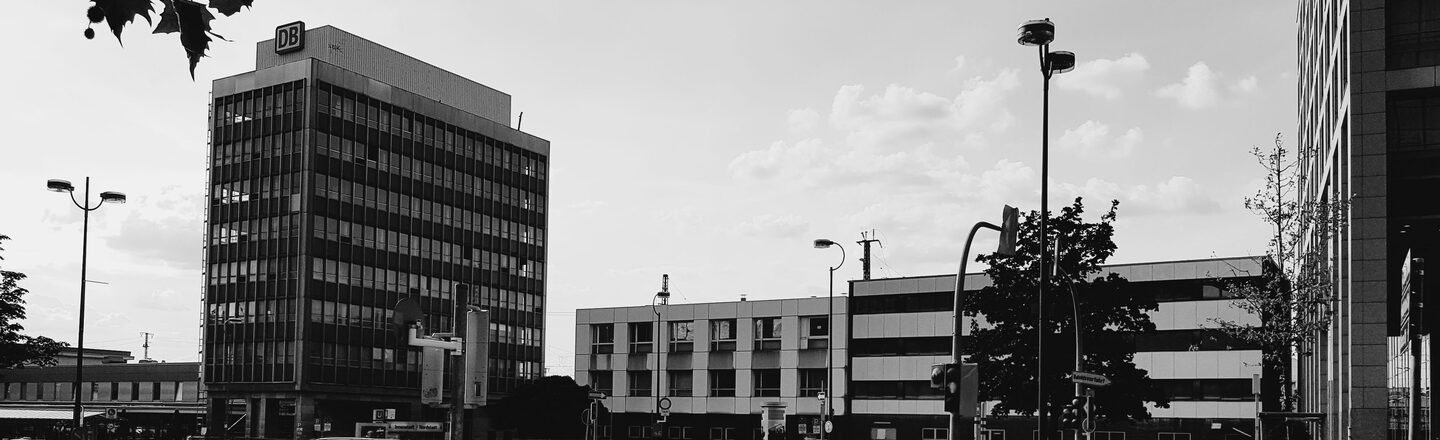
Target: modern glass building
<point x="343" y="177"/>
<point x="1369" y="137"/>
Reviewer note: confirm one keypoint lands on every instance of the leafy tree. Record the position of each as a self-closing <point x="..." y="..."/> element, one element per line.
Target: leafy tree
<point x="191" y="19"/>
<point x="1293" y="294"/>
<point x="551" y="407"/>
<point x="1005" y="349"/>
<point x="16" y="349"/>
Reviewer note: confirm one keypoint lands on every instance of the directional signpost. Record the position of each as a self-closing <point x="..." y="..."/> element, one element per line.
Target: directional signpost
<point x="1092" y="379"/>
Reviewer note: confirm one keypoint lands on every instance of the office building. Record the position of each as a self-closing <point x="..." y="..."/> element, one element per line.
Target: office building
<point x="1369" y="138"/>
<point x="345" y="176"/>
<point x="150" y="400"/>
<point x="888" y="334"/>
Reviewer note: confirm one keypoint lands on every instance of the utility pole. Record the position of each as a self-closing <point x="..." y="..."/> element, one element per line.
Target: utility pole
<point x="865" y="241"/>
<point x="146" y="345"/>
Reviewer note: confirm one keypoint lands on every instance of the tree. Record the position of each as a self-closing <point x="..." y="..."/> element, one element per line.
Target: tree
<point x="1110" y="314"/>
<point x="191" y="19"/>
<point x="1293" y="295"/>
<point x="551" y="407"/>
<point x="17" y="349"/>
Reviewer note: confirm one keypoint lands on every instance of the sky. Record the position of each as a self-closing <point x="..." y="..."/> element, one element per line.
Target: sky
<point x="711" y="141"/>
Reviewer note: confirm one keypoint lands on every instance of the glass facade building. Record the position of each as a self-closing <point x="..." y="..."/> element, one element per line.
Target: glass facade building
<point x="342" y="178"/>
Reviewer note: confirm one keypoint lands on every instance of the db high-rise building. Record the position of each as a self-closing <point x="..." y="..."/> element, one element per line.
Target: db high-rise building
<point x="343" y="177"/>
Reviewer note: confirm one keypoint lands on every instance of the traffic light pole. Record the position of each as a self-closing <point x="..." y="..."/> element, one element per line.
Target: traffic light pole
<point x="957" y="344"/>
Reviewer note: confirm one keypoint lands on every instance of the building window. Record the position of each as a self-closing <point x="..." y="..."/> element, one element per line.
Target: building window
<point x="681" y="383"/>
<point x="1173" y="436"/>
<point x="682" y="432"/>
<point x="767" y="383"/>
<point x="934" y="433"/>
<point x="817" y="332"/>
<point x="992" y="434"/>
<point x="682" y="336"/>
<point x="639" y="383"/>
<point x="812" y="382"/>
<point x="722" y="434"/>
<point x="602" y="381"/>
<point x="1412" y="29"/>
<point x="134" y="390"/>
<point x="722" y="335"/>
<point x="722" y="383"/>
<point x="642" y="337"/>
<point x="1107" y="435"/>
<point x="602" y="338"/>
<point x="767" y="333"/>
<point x="638" y="431"/>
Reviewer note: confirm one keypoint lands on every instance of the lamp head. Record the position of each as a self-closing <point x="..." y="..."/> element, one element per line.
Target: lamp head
<point x="1036" y="33"/>
<point x="112" y="197"/>
<point x="1061" y="61"/>
<point x="58" y="185"/>
<point x="823" y="243"/>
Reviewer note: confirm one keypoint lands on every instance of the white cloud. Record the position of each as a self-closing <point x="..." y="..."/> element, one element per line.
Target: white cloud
<point x="781" y="160"/>
<point x="901" y="117"/>
<point x="803" y="120"/>
<point x="959" y="64"/>
<point x="774" y="226"/>
<point x="1178" y="194"/>
<point x="1198" y="90"/>
<point x="1104" y="78"/>
<point x="1093" y="138"/>
<point x="1249" y="84"/>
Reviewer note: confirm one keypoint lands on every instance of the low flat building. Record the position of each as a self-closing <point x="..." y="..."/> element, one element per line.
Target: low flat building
<point x="145" y="400"/>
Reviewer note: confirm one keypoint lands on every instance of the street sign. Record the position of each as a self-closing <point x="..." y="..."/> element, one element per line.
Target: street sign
<point x="1091" y="379"/>
<point x="821" y="396"/>
<point x="597" y="395"/>
<point x="829" y="427"/>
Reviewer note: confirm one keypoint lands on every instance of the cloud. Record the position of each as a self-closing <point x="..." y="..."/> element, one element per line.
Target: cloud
<point x="1093" y="139"/>
<point x="901" y="117"/>
<point x="1249" y="84"/>
<point x="168" y="230"/>
<point x="1178" y="194"/>
<point x="774" y="226"/>
<point x="1104" y="78"/>
<point x="780" y="160"/>
<point x="1198" y="90"/>
<point x="803" y="120"/>
<point x="959" y="64"/>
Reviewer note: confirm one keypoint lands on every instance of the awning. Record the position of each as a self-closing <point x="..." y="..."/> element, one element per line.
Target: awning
<point x="42" y="414"/>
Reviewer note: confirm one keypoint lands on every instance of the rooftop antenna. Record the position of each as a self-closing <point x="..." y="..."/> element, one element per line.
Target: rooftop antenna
<point x="865" y="241"/>
<point x="146" y="346"/>
<point x="520" y="121"/>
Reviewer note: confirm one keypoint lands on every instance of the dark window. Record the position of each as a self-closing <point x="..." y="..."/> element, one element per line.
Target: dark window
<point x="642" y="337"/>
<point x="912" y="346"/>
<point x="134" y="390"/>
<point x="722" y="383"/>
<point x="812" y="381"/>
<point x="1412" y="33"/>
<point x="602" y="338"/>
<point x="639" y="383"/>
<point x="602" y="381"/>
<point x="722" y="335"/>
<point x="895" y="389"/>
<point x="155" y="391"/>
<point x="767" y="383"/>
<point x="1205" y="389"/>
<point x="681" y="383"/>
<point x="767" y="333"/>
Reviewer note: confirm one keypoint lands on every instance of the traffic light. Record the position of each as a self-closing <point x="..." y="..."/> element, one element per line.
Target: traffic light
<point x="1074" y="414"/>
<point x="1009" y="231"/>
<point x="946" y="377"/>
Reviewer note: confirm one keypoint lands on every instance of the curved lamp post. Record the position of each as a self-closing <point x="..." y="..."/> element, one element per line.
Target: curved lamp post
<point x="661" y="298"/>
<point x="827" y="411"/>
<point x="64" y="186"/>
<point x="1040" y="33"/>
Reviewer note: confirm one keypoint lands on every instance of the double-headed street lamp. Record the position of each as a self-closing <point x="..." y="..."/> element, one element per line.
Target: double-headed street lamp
<point x="64" y="186"/>
<point x="827" y="411"/>
<point x="1040" y="33"/>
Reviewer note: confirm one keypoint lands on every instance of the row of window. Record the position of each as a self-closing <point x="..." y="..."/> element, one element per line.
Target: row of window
<point x="258" y="147"/>
<point x="258" y="104"/>
<point x="268" y="228"/>
<point x="398" y="242"/>
<point x="246" y="312"/>
<point x="393" y="202"/>
<point x="157" y="391"/>
<point x="354" y="274"/>
<point x="282" y="268"/>
<point x="768" y="331"/>
<point x="435" y="174"/>
<point x="405" y="124"/>
<point x="765" y="383"/>
<point x="253" y="352"/>
<point x="259" y="188"/>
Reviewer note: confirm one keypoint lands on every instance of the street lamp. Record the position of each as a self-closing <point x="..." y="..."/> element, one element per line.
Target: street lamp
<point x="827" y="411"/>
<point x="1040" y="33"/>
<point x="64" y="186"/>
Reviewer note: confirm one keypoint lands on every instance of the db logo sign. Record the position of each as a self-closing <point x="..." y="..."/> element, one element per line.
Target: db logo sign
<point x="290" y="37"/>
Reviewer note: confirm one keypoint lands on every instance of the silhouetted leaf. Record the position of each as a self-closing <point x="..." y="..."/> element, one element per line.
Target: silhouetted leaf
<point x="229" y="7"/>
<point x="169" y="23"/>
<point x="118" y="13"/>
<point x="194" y="21"/>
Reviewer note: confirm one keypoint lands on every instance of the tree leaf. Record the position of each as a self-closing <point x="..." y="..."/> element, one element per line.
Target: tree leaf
<point x="229" y="7"/>
<point x="169" y="22"/>
<point x="194" y="22"/>
<point x="118" y="13"/>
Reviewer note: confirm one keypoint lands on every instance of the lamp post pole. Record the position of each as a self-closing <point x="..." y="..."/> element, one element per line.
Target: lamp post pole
<point x="1040" y="33"/>
<point x="108" y="196"/>
<point x="662" y="298"/>
<point x="827" y="410"/>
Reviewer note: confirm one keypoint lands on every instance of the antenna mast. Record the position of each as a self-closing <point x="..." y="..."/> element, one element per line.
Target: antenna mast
<point x="865" y="241"/>
<point x="146" y="345"/>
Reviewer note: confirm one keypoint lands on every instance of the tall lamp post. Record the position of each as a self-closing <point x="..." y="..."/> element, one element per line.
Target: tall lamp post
<point x="1040" y="33"/>
<point x="827" y="411"/>
<point x="64" y="186"/>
